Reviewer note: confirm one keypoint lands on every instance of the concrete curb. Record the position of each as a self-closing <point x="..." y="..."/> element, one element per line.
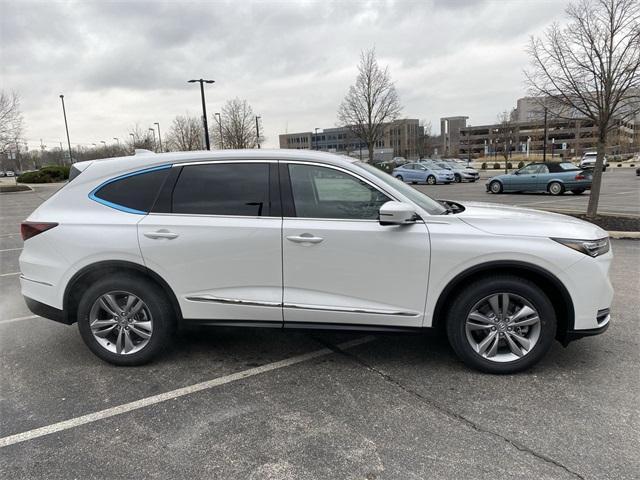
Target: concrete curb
<point x="624" y="235"/>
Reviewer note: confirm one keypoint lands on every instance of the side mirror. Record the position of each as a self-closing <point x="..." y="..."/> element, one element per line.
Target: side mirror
<point x="397" y="213"/>
<point x="517" y="172"/>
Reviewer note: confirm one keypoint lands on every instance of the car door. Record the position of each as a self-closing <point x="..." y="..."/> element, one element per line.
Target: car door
<point x="525" y="179"/>
<point x="340" y="265"/>
<point x="214" y="236"/>
<point x="408" y="172"/>
<point x="543" y="177"/>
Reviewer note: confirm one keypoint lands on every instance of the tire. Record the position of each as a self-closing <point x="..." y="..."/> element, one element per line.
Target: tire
<point x="495" y="187"/>
<point x="604" y="168"/>
<point x="399" y="177"/>
<point x="458" y="178"/>
<point x="463" y="335"/>
<point x="155" y="319"/>
<point x="555" y="188"/>
<point x="431" y="180"/>
<point x="578" y="191"/>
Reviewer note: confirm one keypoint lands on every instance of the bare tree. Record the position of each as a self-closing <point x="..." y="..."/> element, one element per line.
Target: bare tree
<point x="370" y="103"/>
<point x="237" y="123"/>
<point x="141" y="138"/>
<point x="591" y="68"/>
<point x="185" y="134"/>
<point x="506" y="134"/>
<point x="11" y="123"/>
<point x="423" y="142"/>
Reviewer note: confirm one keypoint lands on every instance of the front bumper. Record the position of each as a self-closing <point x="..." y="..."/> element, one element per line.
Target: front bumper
<point x="603" y="319"/>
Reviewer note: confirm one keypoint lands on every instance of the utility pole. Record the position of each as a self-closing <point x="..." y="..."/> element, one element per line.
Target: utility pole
<point x="217" y="114"/>
<point x="66" y="126"/>
<point x="117" y="140"/>
<point x="159" y="137"/>
<point x="258" y="130"/>
<point x="204" y="110"/>
<point x="316" y="137"/>
<point x="155" y="145"/>
<point x="544" y="142"/>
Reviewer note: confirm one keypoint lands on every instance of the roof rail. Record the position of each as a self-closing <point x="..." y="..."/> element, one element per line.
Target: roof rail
<point x="143" y="151"/>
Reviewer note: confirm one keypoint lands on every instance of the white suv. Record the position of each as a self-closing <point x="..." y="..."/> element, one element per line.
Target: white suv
<point x="134" y="246"/>
<point x="589" y="161"/>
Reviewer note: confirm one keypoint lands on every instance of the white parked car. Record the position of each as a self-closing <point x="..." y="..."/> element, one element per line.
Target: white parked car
<point x="10" y="173"/>
<point x="589" y="161"/>
<point x="133" y="246"/>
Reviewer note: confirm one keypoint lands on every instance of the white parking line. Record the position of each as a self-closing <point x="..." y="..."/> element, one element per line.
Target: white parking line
<point x="19" y="319"/>
<point x="10" y="249"/>
<point x="163" y="397"/>
<point x="9" y="274"/>
<point x="9" y="235"/>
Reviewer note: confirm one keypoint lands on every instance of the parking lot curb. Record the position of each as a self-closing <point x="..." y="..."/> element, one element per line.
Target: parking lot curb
<point x="624" y="235"/>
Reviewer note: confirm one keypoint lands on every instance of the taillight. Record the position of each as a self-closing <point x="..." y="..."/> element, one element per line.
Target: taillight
<point x="31" y="229"/>
<point x="580" y="177"/>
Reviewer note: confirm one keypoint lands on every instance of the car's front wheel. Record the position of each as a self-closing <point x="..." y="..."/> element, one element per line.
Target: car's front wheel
<point x="431" y="180"/>
<point x="458" y="178"/>
<point x="495" y="187"/>
<point x="501" y="324"/>
<point x="125" y="319"/>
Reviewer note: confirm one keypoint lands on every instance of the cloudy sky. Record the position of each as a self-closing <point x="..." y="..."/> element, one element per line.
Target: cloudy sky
<point x="122" y="63"/>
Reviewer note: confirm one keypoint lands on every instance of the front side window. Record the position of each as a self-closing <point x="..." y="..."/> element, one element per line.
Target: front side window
<point x="321" y="192"/>
<point x="529" y="169"/>
<point x="133" y="193"/>
<point x="222" y="189"/>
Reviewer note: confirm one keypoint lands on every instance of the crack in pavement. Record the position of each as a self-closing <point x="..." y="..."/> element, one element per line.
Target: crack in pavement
<point x="448" y="412"/>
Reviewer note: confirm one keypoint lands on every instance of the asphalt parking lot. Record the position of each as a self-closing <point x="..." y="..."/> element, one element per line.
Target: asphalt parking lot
<point x="620" y="194"/>
<point x="262" y="404"/>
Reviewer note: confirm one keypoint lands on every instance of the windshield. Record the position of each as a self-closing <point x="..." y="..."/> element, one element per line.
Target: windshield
<point x="423" y="201"/>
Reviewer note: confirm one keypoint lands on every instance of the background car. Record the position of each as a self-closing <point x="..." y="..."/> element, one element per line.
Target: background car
<point x="2" y="173"/>
<point x="423" y="173"/>
<point x="10" y="173"/>
<point x="552" y="177"/>
<point x="589" y="161"/>
<point x="461" y="173"/>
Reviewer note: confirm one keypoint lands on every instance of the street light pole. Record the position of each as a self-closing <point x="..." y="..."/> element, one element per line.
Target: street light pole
<point x="66" y="126"/>
<point x="258" y="130"/>
<point x="544" y="142"/>
<point x="155" y="145"/>
<point x="117" y="140"/>
<point x="217" y="114"/>
<point x="159" y="137"/>
<point x="316" y="142"/>
<point x="204" y="110"/>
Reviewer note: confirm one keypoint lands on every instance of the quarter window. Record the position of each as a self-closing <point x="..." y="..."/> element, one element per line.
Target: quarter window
<point x="320" y="192"/>
<point x="133" y="193"/>
<point x="223" y="189"/>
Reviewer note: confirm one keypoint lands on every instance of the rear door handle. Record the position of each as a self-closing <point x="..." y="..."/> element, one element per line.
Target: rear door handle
<point x="161" y="234"/>
<point x="305" y="238"/>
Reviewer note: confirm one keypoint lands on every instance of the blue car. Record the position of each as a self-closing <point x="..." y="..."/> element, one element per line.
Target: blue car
<point x="422" y="173"/>
<point x="555" y="178"/>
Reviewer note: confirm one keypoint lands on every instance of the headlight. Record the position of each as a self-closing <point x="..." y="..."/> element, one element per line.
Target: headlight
<point x="593" y="248"/>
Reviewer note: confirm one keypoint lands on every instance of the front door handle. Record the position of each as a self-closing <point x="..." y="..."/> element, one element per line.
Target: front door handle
<point x="161" y="234"/>
<point x="305" y="238"/>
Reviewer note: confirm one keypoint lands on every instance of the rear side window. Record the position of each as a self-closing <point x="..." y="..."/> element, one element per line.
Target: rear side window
<point x="223" y="189"/>
<point x="133" y="193"/>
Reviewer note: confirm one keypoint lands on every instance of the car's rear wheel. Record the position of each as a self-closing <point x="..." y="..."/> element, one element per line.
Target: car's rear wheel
<point x="399" y="177"/>
<point x="555" y="188"/>
<point x="501" y="324"/>
<point x="495" y="187"/>
<point x="431" y="180"/>
<point x="578" y="191"/>
<point x="458" y="178"/>
<point x="125" y="319"/>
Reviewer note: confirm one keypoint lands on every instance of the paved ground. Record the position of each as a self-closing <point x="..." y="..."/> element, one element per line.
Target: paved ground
<point x="299" y="405"/>
<point x="620" y="194"/>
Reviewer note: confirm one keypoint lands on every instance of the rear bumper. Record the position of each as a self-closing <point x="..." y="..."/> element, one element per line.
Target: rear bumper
<point x="47" y="311"/>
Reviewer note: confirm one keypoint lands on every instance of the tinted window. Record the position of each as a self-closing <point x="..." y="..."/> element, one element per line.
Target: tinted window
<point x="409" y="166"/>
<point x="320" y="192"/>
<point x="530" y="169"/>
<point x="134" y="192"/>
<point x="223" y="189"/>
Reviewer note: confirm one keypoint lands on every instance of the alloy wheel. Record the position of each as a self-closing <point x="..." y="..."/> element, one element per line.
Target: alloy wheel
<point x="503" y="327"/>
<point x="555" y="188"/>
<point x="121" y="322"/>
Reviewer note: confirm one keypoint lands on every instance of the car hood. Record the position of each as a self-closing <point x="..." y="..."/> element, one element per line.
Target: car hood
<point x="506" y="220"/>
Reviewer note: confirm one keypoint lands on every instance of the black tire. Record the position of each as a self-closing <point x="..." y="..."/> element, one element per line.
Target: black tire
<point x="461" y="307"/>
<point x="399" y="177"/>
<point x="495" y="187"/>
<point x="578" y="191"/>
<point x="431" y="180"/>
<point x="158" y="305"/>
<point x="457" y="178"/>
<point x="555" y="188"/>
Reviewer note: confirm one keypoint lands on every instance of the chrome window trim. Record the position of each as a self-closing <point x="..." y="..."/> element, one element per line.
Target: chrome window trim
<point x="300" y="306"/>
<point x="210" y="162"/>
<point x="213" y="215"/>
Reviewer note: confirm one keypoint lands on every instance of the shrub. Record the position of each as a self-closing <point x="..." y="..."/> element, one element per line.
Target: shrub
<point x="496" y="166"/>
<point x="619" y="165"/>
<point x="56" y="172"/>
<point x="521" y="164"/>
<point x="483" y="166"/>
<point x="509" y="165"/>
<point x="34" y="177"/>
<point x="47" y="174"/>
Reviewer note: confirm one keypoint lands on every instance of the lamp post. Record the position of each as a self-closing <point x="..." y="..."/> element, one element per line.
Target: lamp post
<point x="153" y="130"/>
<point x="66" y="126"/>
<point x="133" y="142"/>
<point x="544" y="142"/>
<point x="204" y="110"/>
<point x="103" y="143"/>
<point x="258" y="130"/>
<point x="217" y="114"/>
<point x="316" y="137"/>
<point x="159" y="137"/>
<point x="117" y="140"/>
